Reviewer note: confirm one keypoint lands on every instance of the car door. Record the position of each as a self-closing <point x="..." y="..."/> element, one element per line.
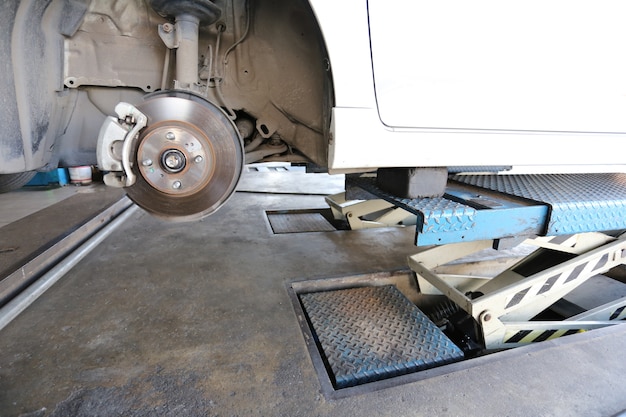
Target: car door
<point x="532" y="65"/>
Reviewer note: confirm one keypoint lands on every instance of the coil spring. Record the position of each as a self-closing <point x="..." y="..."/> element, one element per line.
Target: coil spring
<point x="443" y="310"/>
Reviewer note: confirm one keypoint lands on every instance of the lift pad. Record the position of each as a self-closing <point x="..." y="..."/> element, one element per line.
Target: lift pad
<point x="369" y="334"/>
<point x="493" y="207"/>
<point x="578" y="202"/>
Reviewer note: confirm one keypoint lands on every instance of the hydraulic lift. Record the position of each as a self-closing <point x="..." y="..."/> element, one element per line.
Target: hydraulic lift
<point x="575" y="221"/>
<point x="482" y="211"/>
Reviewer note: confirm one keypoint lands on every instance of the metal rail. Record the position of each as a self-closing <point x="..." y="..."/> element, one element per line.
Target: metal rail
<point x="25" y="298"/>
<point x="28" y="272"/>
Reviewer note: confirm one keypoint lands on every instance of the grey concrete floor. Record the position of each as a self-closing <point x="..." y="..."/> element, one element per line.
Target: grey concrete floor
<point x="194" y="319"/>
<point x="28" y="200"/>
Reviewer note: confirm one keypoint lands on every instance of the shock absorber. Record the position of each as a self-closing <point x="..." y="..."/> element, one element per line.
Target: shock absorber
<point x="183" y="35"/>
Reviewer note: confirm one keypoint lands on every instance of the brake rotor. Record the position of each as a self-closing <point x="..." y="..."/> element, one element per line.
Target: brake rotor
<point x="188" y="158"/>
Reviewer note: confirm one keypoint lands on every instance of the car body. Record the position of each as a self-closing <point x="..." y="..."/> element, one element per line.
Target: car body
<point x="348" y="86"/>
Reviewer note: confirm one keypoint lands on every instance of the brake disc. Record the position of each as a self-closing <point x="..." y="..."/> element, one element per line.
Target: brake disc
<point x="188" y="158"/>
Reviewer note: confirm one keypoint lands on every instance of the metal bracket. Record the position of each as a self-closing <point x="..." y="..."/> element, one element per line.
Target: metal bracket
<point x="504" y="305"/>
<point x="169" y="35"/>
<point x="383" y="213"/>
<point x="115" y="144"/>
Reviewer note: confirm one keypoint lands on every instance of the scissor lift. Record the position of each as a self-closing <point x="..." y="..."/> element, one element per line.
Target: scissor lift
<point x="575" y="220"/>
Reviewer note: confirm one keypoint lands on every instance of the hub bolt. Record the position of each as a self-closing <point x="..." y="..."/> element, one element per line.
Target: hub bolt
<point x="173" y="160"/>
<point x="198" y="159"/>
<point x="176" y="185"/>
<point x="146" y="162"/>
<point x="170" y="136"/>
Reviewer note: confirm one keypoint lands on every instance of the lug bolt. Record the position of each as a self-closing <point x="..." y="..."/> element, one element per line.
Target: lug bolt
<point x="176" y="185"/>
<point x="198" y="159"/>
<point x="146" y="162"/>
<point x="170" y="136"/>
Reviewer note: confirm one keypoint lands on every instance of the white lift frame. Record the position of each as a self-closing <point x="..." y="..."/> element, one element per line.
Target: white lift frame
<point x="506" y="303"/>
<point x="353" y="211"/>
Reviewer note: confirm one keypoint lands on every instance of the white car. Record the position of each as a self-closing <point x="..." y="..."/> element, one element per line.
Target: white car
<point x="172" y="97"/>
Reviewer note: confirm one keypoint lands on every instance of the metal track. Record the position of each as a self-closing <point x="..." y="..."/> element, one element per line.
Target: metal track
<point x="58" y="260"/>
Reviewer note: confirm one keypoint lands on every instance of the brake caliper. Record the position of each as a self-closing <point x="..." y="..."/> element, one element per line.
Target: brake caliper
<point x="116" y="142"/>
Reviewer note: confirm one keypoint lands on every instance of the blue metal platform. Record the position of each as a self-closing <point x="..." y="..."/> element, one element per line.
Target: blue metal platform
<point x="492" y="207"/>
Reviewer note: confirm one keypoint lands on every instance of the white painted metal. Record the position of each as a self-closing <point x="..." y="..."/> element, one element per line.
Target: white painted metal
<point x="604" y="312"/>
<point x="498" y="295"/>
<point x="486" y="64"/>
<point x="346" y="32"/>
<point x="479" y="83"/>
<point x="353" y="211"/>
<point x="496" y="332"/>
<point x="501" y="318"/>
<point x="360" y="140"/>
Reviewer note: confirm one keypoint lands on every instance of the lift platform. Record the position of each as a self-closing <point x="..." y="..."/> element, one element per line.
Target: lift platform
<point x="575" y="221"/>
<point x="588" y="212"/>
<point x="496" y="207"/>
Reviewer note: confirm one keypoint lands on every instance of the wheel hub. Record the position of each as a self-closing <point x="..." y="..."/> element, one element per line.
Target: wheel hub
<point x="189" y="157"/>
<point x="173" y="160"/>
<point x="184" y="159"/>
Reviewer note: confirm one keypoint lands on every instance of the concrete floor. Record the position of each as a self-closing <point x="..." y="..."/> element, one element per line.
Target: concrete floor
<point x="28" y="200"/>
<point x="194" y="319"/>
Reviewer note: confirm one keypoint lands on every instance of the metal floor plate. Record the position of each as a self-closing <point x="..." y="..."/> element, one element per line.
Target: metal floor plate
<point x="369" y="334"/>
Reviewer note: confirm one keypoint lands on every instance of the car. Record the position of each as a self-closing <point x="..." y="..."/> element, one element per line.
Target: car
<point x="171" y="98"/>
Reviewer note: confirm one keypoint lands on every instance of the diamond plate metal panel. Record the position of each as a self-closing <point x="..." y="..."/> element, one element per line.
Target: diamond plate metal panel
<point x="372" y="333"/>
<point x="579" y="202"/>
<point x="439" y="214"/>
<point x="461" y="215"/>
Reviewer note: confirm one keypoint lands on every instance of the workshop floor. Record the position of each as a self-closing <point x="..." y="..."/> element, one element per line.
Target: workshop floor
<point x="195" y="319"/>
<point x="29" y="200"/>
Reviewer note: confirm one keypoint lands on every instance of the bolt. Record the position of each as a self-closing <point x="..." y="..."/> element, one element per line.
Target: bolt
<point x="486" y="316"/>
<point x="167" y="27"/>
<point x="176" y="185"/>
<point x="170" y="136"/>
<point x="146" y="162"/>
<point x="173" y="161"/>
<point x="198" y="159"/>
